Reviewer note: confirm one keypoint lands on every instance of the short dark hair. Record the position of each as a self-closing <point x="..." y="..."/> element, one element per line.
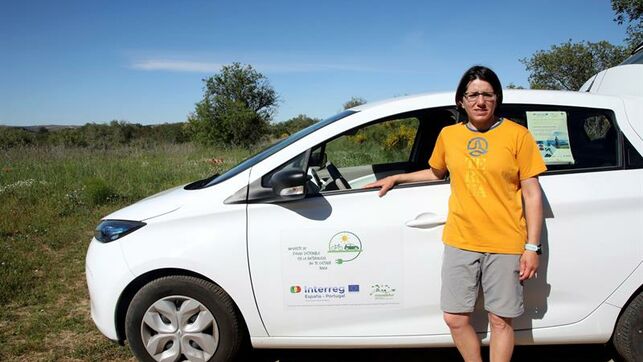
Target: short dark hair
<point x="482" y="73"/>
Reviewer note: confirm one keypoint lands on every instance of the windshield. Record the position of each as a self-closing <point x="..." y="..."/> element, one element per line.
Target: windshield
<point x="276" y="147"/>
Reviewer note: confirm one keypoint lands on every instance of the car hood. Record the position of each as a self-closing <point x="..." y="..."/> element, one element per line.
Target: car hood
<point x="156" y="205"/>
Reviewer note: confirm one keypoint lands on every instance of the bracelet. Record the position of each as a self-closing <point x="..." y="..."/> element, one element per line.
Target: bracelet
<point x="533" y="247"/>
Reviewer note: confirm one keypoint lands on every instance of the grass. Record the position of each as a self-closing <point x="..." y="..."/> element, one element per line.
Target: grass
<point x="50" y="201"/>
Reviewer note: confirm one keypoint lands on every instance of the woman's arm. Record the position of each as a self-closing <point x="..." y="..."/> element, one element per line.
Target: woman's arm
<point x="423" y="175"/>
<point x="532" y="196"/>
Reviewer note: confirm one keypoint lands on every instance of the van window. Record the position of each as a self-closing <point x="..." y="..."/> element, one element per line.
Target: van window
<point x="636" y="58"/>
<point x="570" y="138"/>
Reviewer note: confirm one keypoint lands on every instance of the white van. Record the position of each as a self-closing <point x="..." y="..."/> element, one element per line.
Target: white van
<point x="623" y="79"/>
<point x="288" y="250"/>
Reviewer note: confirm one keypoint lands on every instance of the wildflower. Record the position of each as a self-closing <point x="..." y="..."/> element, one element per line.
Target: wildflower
<point x="21" y="184"/>
<point x="215" y="161"/>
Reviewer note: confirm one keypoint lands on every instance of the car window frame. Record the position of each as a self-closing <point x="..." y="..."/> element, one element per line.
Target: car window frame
<point x="619" y="142"/>
<point x="421" y="114"/>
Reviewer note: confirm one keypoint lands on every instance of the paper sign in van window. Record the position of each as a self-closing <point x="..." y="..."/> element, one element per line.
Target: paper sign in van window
<point x="552" y="136"/>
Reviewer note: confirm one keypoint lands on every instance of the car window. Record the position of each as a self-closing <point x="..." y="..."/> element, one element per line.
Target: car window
<point x="570" y="138"/>
<point x="383" y="142"/>
<point x="365" y="154"/>
<point x="636" y="58"/>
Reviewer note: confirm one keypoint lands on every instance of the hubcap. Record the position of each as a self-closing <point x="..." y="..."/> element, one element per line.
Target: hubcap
<point x="179" y="328"/>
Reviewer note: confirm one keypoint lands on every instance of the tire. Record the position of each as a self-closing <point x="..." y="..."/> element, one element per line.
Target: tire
<point x="628" y="334"/>
<point x="183" y="318"/>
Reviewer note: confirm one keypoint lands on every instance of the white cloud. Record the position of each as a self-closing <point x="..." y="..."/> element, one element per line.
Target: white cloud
<point x="211" y="67"/>
<point x="176" y="66"/>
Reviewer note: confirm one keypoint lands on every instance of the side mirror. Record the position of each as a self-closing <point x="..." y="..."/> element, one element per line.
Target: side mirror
<point x="289" y="184"/>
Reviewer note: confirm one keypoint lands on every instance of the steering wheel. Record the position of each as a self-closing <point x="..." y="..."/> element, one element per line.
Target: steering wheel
<point x="337" y="177"/>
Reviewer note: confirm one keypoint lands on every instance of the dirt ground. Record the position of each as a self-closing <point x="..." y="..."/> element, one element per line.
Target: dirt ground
<point x="558" y="353"/>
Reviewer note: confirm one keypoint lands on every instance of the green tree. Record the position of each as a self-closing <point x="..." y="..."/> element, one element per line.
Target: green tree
<point x="630" y="11"/>
<point x="237" y="106"/>
<point x="286" y="128"/>
<point x="514" y="86"/>
<point x="568" y="65"/>
<point x="354" y="102"/>
<point x="200" y="125"/>
<point x="15" y="136"/>
<point x="42" y="135"/>
<point x="165" y="133"/>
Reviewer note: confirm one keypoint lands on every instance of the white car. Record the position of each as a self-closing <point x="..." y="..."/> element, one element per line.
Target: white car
<point x="288" y="250"/>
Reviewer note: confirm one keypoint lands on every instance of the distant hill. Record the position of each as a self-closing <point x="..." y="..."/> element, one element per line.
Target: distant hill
<point x="93" y="135"/>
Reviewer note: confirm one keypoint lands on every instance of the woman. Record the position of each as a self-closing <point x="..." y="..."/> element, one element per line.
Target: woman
<point x="490" y="241"/>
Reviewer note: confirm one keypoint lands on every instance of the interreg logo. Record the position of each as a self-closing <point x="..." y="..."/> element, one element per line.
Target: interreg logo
<point x="338" y="290"/>
<point x="315" y="289"/>
<point x="477" y="146"/>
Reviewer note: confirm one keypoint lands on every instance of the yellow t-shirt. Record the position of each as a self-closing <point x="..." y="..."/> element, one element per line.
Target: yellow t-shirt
<point x="485" y="206"/>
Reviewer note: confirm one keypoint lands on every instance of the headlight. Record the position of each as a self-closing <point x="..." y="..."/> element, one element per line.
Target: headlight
<point x="110" y="230"/>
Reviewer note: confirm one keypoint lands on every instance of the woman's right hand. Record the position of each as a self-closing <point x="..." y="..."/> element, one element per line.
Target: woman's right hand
<point x="386" y="184"/>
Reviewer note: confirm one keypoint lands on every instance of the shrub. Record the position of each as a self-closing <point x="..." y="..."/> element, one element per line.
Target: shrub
<point x="13" y="137"/>
<point x="98" y="191"/>
<point x="400" y="139"/>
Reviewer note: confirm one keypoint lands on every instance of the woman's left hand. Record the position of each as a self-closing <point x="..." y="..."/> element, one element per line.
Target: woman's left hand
<point x="532" y="195"/>
<point x="528" y="265"/>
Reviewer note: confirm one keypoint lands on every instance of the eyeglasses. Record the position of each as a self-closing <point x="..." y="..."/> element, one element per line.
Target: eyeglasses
<point x="486" y="96"/>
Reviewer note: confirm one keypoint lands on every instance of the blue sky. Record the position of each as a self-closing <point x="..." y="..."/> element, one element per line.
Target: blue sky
<point x="73" y="62"/>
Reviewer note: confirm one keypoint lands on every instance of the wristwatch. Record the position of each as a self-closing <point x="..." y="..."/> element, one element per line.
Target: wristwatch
<point x="532" y="247"/>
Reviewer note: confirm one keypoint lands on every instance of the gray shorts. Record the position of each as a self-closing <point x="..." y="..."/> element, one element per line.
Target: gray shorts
<point x="462" y="273"/>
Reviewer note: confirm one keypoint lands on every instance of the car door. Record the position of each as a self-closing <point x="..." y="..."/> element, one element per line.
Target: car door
<point x="343" y="261"/>
<point x="593" y="202"/>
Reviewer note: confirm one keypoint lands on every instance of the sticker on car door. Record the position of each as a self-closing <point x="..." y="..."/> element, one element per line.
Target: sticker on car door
<point x="342" y="269"/>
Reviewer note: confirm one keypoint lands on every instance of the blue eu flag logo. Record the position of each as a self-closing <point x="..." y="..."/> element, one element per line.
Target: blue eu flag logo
<point x="353" y="288"/>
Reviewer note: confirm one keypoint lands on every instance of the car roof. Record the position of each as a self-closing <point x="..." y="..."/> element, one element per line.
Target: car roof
<point x="445" y="99"/>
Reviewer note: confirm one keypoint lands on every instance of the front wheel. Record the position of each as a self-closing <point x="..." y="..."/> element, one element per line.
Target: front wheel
<point x="628" y="334"/>
<point x="182" y="318"/>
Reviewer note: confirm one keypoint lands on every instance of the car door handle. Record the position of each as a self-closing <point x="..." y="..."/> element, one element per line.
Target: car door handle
<point x="426" y="220"/>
